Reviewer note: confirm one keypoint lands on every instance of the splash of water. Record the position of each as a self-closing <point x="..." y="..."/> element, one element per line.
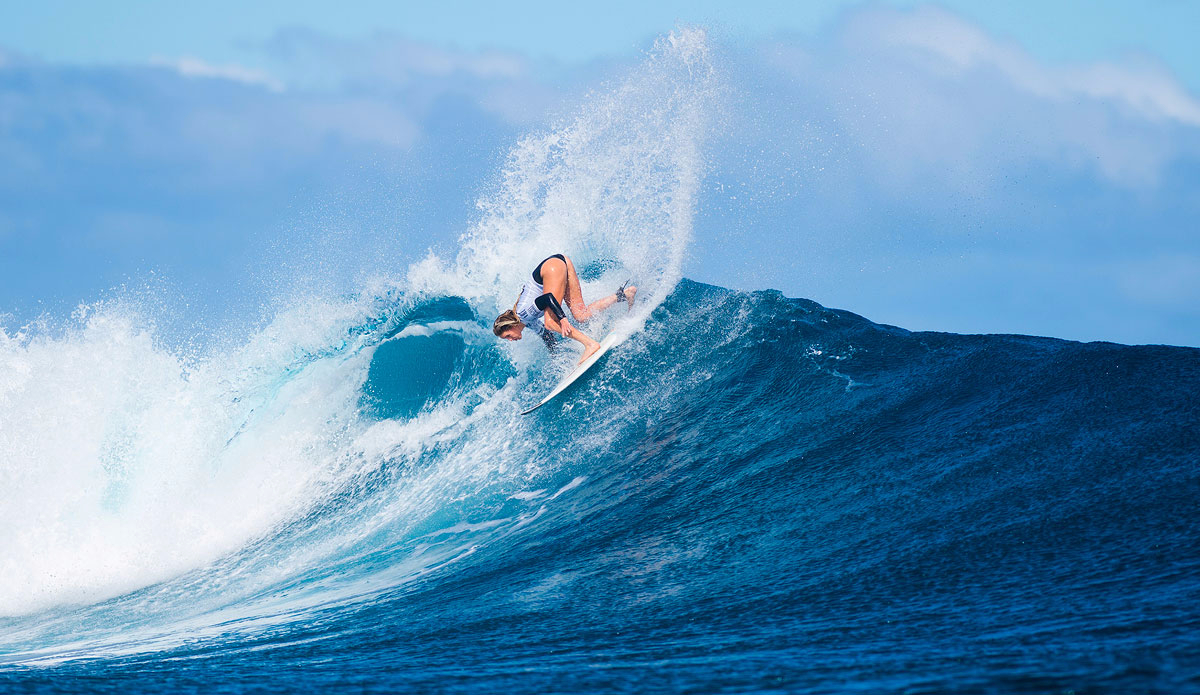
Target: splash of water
<point x="126" y="463"/>
<point x="615" y="185"/>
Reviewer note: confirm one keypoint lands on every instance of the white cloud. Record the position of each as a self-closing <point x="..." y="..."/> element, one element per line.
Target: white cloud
<point x="930" y="97"/>
<point x="385" y="60"/>
<point x="392" y="67"/>
<point x="912" y="167"/>
<point x="1148" y="89"/>
<point x="194" y="67"/>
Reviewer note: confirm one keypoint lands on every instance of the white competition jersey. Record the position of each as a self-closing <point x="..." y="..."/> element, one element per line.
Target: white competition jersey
<point x="529" y="314"/>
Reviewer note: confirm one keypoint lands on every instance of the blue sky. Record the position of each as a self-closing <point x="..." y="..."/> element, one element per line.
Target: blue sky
<point x="993" y="167"/>
<point x="86" y="32"/>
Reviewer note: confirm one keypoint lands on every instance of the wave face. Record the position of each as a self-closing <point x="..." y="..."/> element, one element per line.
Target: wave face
<point x="751" y="493"/>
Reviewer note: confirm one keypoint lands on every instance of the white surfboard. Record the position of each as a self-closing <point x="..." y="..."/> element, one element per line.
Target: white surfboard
<point x="610" y="341"/>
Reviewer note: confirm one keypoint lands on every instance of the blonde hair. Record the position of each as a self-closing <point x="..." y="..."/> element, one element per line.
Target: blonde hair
<point x="505" y="321"/>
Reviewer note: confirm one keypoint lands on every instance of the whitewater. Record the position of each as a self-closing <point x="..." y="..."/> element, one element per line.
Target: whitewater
<point x="752" y="494"/>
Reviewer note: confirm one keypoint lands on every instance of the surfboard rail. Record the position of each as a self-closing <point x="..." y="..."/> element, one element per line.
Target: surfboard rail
<point x="610" y="341"/>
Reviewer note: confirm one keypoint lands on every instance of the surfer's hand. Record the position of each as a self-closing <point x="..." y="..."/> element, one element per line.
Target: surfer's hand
<point x="564" y="327"/>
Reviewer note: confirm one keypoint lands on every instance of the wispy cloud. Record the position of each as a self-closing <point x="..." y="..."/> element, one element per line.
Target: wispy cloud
<point x="387" y="59"/>
<point x="931" y="94"/>
<point x="194" y="67"/>
<point x="504" y="83"/>
<point x="958" y="46"/>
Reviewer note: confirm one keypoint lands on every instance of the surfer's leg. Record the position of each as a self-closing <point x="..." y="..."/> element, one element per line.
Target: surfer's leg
<point x="581" y="310"/>
<point x="555" y="275"/>
<point x="554" y="279"/>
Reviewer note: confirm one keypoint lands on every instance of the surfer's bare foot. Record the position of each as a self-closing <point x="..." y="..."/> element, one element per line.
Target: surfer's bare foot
<point x="629" y="292"/>
<point x="588" y="351"/>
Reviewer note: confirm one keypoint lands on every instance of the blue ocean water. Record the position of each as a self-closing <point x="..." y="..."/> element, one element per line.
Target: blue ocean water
<point x="753" y="494"/>
<point x="750" y="494"/>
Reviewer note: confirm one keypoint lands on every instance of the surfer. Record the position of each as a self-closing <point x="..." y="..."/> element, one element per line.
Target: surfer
<point x="555" y="283"/>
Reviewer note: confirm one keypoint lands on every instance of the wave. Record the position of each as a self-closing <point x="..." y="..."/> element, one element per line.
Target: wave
<point x="390" y="456"/>
<point x="131" y="462"/>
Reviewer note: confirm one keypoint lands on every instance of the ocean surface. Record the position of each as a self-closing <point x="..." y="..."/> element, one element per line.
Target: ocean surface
<point x="752" y="493"/>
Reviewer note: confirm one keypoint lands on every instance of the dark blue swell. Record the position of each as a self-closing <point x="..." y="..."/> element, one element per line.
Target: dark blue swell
<point x="780" y="497"/>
